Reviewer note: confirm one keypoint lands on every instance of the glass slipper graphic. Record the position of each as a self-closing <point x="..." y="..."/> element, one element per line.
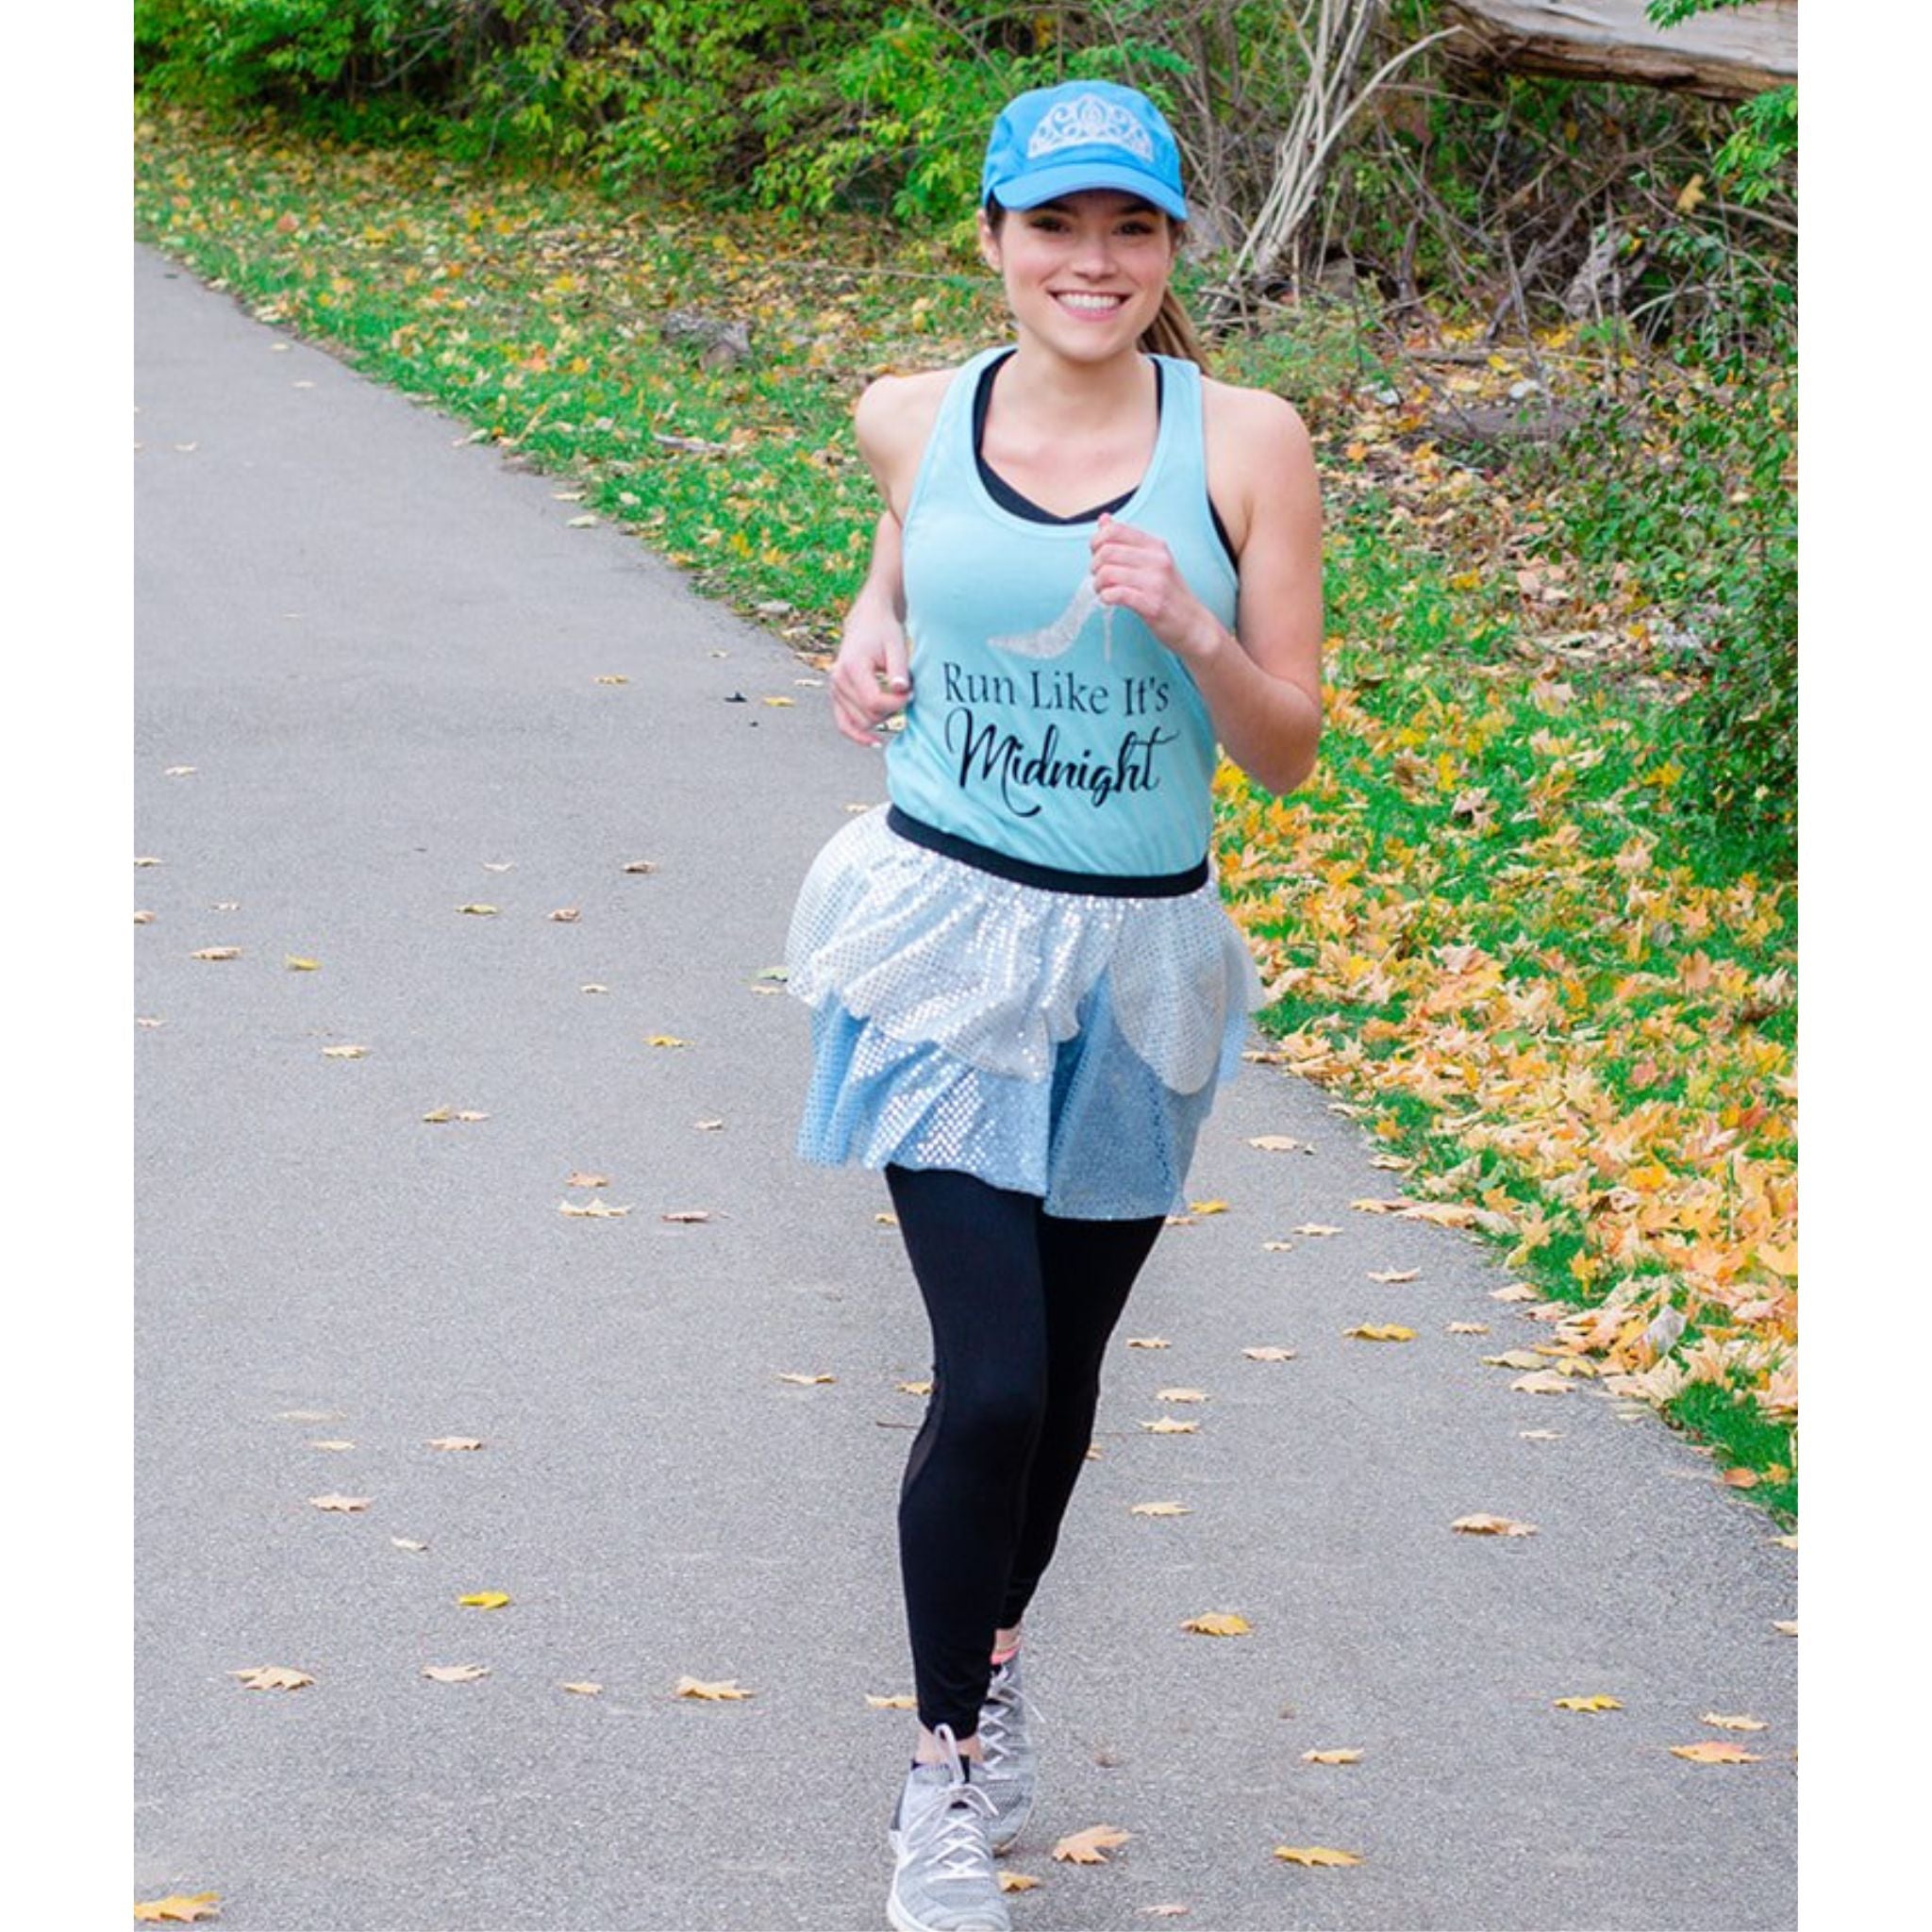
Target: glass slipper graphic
<point x="1053" y="639"/>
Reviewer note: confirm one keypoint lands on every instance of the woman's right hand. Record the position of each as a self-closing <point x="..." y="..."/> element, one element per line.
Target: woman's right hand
<point x="870" y="679"/>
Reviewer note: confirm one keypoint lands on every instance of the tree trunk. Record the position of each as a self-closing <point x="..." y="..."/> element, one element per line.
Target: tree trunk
<point x="1728" y="54"/>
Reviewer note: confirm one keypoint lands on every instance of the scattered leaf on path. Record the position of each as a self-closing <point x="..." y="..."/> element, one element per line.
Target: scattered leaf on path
<point x="1715" y="1751"/>
<point x="583" y="1689"/>
<point x="177" y="1908"/>
<point x="566" y="915"/>
<point x="1349" y="1757"/>
<point x="686" y="1215"/>
<point x="1315" y="1854"/>
<point x="1541" y="1435"/>
<point x="1017" y="1881"/>
<point x="1789" y="1629"/>
<point x="272" y="1677"/>
<point x="1392" y="1274"/>
<point x="1543" y="1382"/>
<point x="807" y="1381"/>
<point x="1218" y="1623"/>
<point x="580" y="1180"/>
<point x="1148" y="1342"/>
<point x="344" y="1504"/>
<point x="1207" y="1207"/>
<point x="1380" y="1331"/>
<point x="1513" y="1358"/>
<point x="343" y="1053"/>
<point x="484" y="1600"/>
<point x="216" y="953"/>
<point x="1278" y="1247"/>
<point x="708" y="1126"/>
<point x="1158" y="1509"/>
<point x="408" y="1542"/>
<point x="1090" y="1847"/>
<point x="1469" y="1328"/>
<point x="1733" y="1724"/>
<point x="914" y="1388"/>
<point x="898" y="1700"/>
<point x="1492" y="1526"/>
<point x="595" y="1211"/>
<point x="1278" y="1143"/>
<point x="886" y="1219"/>
<point x="332" y="1443"/>
<point x="1180" y="1396"/>
<point x="456" y="1674"/>
<point x="148" y="861"/>
<point x="1516" y="1291"/>
<point x="592" y="985"/>
<point x="724" y="1690"/>
<point x="1597" y="1700"/>
<point x="1315" y="1227"/>
<point x="295" y="964"/>
<point x="144" y="918"/>
<point x="478" y="911"/>
<point x="641" y="865"/>
<point x="438" y="1115"/>
<point x="1167" y="1425"/>
<point x="666" y="1040"/>
<point x="177" y="771"/>
<point x="456" y="1442"/>
<point x="1269" y="1353"/>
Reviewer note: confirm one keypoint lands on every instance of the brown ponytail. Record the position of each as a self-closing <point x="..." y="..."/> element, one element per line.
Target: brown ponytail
<point x="1172" y="333"/>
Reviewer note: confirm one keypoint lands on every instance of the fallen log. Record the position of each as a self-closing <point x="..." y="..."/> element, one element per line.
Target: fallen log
<point x="1728" y="54"/>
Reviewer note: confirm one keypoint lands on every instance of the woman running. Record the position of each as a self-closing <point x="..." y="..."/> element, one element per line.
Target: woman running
<point x="1094" y="566"/>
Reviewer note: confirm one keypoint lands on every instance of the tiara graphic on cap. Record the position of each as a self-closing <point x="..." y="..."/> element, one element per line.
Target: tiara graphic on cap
<point x="1082" y="134"/>
<point x="1087" y="121"/>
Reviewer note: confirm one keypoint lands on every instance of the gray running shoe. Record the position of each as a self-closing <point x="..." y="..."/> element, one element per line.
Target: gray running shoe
<point x="1009" y="1754"/>
<point x="945" y="1880"/>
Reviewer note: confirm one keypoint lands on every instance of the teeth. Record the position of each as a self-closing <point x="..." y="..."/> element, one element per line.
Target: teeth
<point x="1096" y="302"/>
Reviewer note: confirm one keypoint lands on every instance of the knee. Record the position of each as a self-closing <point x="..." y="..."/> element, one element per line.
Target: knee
<point x="996" y="1419"/>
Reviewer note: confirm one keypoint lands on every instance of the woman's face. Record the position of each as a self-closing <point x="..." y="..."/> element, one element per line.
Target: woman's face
<point x="1084" y="273"/>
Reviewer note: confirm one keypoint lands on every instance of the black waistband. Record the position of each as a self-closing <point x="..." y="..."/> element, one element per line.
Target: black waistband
<point x="1161" y="885"/>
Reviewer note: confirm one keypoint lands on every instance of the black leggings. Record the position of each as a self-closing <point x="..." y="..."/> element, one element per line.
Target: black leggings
<point x="1022" y="1303"/>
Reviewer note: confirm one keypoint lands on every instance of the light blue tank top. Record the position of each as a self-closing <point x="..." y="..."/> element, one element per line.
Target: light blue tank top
<point x="1036" y="725"/>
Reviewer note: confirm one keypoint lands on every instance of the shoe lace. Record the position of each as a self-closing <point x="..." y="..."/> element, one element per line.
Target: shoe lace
<point x="953" y="1834"/>
<point x="998" y="1716"/>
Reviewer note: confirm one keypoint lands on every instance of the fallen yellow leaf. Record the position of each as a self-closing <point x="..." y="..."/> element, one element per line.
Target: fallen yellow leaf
<point x="1597" y="1700"/>
<point x="583" y="1690"/>
<point x="332" y="1443"/>
<point x="456" y="1442"/>
<point x="1218" y="1623"/>
<point x="1715" y="1751"/>
<point x="1167" y="1425"/>
<point x="456" y="1674"/>
<point x="1733" y="1724"/>
<point x="1789" y="1629"/>
<point x="1514" y="1358"/>
<point x="914" y="1388"/>
<point x="1385" y="1331"/>
<point x="1492" y="1526"/>
<point x="1158" y="1509"/>
<point x="484" y="1600"/>
<point x="1315" y="1227"/>
<point x="1391" y="1274"/>
<point x="593" y="1209"/>
<point x="1516" y="1291"/>
<point x="1348" y="1756"/>
<point x="1090" y="1847"/>
<point x="343" y="1053"/>
<point x="1017" y="1881"/>
<point x="1148" y="1342"/>
<point x="580" y="1179"/>
<point x="481" y="912"/>
<point x="345" y="1504"/>
<point x="272" y="1677"/>
<point x="216" y="953"/>
<point x="177" y="1908"/>
<point x="724" y="1690"/>
<point x="666" y="1040"/>
<point x="1278" y="1247"/>
<point x="1469" y="1328"/>
<point x="1278" y="1144"/>
<point x="1543" y="1382"/>
<point x="298" y="965"/>
<point x="1268" y="1354"/>
<point x="899" y="1700"/>
<point x="1207" y="1207"/>
<point x="1180" y="1396"/>
<point x="808" y="1381"/>
<point x="1315" y="1854"/>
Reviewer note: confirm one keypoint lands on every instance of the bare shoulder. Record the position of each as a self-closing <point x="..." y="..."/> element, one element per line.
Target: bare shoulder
<point x="1260" y="461"/>
<point x="1254" y="423"/>
<point x="892" y="422"/>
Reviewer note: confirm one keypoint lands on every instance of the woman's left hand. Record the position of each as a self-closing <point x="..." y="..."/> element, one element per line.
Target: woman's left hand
<point x="1133" y="570"/>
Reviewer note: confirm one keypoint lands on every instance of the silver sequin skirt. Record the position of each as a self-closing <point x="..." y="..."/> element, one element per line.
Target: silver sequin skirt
<point x="1064" y="1044"/>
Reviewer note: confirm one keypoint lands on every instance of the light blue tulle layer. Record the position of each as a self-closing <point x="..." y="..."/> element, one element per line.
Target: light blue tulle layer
<point x="1063" y="1044"/>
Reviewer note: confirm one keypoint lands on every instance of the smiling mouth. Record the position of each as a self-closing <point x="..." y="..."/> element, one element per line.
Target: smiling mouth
<point x="1082" y="302"/>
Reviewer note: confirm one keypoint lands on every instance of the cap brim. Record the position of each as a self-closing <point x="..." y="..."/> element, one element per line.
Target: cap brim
<point x="1049" y="184"/>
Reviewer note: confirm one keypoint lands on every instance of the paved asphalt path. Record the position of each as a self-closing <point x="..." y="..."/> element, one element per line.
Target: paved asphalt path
<point x="380" y="649"/>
